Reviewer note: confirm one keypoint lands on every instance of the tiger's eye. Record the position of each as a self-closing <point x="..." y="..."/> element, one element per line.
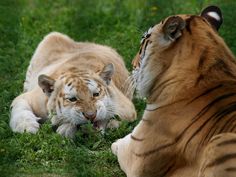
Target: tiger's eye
<point x="73" y="99"/>
<point x="95" y="94"/>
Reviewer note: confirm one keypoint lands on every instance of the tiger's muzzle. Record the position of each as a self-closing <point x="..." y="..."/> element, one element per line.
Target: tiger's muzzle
<point x="90" y="115"/>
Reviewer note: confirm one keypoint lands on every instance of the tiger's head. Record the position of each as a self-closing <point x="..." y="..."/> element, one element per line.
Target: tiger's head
<point x="181" y="47"/>
<point x="79" y="96"/>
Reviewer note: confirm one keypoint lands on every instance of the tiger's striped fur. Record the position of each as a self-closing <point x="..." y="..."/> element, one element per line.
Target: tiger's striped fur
<point x="188" y="75"/>
<point x="76" y="82"/>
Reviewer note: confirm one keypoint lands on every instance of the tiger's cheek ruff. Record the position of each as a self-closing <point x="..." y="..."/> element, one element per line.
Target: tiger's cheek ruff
<point x="142" y="76"/>
<point x="105" y="109"/>
<point x="71" y="114"/>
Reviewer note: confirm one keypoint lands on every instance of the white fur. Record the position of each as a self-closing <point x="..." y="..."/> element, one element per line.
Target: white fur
<point x="143" y="76"/>
<point x="22" y="117"/>
<point x="69" y="91"/>
<point x="67" y="130"/>
<point x="120" y="142"/>
<point x="214" y="15"/>
<point x="72" y="115"/>
<point x="105" y="109"/>
<point x="93" y="86"/>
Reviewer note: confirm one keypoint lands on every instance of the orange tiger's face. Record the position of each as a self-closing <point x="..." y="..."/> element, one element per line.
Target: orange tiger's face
<point x="80" y="97"/>
<point x="165" y="47"/>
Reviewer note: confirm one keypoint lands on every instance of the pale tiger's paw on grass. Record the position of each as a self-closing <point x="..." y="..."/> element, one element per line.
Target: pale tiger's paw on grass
<point x="25" y="122"/>
<point x="67" y="130"/>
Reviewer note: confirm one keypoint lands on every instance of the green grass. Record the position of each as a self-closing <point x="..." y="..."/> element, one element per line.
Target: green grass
<point x="117" y="23"/>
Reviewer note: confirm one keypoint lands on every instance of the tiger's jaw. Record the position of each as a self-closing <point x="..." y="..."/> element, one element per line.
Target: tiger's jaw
<point x="142" y="74"/>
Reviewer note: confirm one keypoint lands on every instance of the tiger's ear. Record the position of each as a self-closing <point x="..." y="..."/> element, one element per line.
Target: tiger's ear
<point x="173" y="27"/>
<point x="213" y="15"/>
<point x="46" y="83"/>
<point x="107" y="73"/>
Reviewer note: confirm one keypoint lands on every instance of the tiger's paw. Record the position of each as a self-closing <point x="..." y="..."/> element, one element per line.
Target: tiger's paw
<point x="114" y="147"/>
<point x="24" y="122"/>
<point x="67" y="130"/>
<point x="113" y="124"/>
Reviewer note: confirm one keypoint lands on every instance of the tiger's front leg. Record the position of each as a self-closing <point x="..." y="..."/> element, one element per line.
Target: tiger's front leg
<point x="24" y="118"/>
<point x="219" y="157"/>
<point x="121" y="148"/>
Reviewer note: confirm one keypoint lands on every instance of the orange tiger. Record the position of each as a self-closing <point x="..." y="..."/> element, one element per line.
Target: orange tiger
<point x="76" y="83"/>
<point x="188" y="76"/>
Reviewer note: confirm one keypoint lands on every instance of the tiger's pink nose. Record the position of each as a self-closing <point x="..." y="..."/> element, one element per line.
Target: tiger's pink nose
<point x="90" y="115"/>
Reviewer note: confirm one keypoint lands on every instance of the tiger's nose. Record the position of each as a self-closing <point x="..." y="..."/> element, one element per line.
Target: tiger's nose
<point x="90" y="115"/>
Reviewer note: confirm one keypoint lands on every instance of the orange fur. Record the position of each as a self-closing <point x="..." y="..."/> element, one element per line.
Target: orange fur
<point x="188" y="75"/>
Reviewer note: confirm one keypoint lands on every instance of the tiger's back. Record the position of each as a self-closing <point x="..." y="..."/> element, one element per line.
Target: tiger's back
<point x="63" y="53"/>
<point x="188" y="75"/>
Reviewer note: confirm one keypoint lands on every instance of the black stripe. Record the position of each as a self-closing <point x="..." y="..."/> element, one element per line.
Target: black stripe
<point x="231" y="169"/>
<point x="228" y="124"/>
<point x="222" y="159"/>
<point x="136" y="139"/>
<point x="212" y="130"/>
<point x="140" y="49"/>
<point x="145" y="47"/>
<point x="206" y="92"/>
<point x="208" y="136"/>
<point x="163" y="106"/>
<point x="188" y="24"/>
<point x="59" y="105"/>
<point x="156" y="87"/>
<point x="220" y="65"/>
<point x="200" y="77"/>
<point x="150" y="152"/>
<point x="164" y="87"/>
<point x="211" y="104"/>
<point x="69" y="84"/>
<point x="168" y="169"/>
<point x="195" y="133"/>
<point x="217" y="116"/>
<point x="202" y="59"/>
<point x="232" y="128"/>
<point x="227" y="142"/>
<point x="226" y="110"/>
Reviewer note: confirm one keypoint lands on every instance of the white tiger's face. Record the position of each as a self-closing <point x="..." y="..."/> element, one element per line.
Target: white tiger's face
<point x="80" y="98"/>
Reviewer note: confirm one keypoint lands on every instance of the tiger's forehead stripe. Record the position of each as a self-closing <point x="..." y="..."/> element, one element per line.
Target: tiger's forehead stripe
<point x="69" y="90"/>
<point x="146" y="34"/>
<point x="92" y="86"/>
